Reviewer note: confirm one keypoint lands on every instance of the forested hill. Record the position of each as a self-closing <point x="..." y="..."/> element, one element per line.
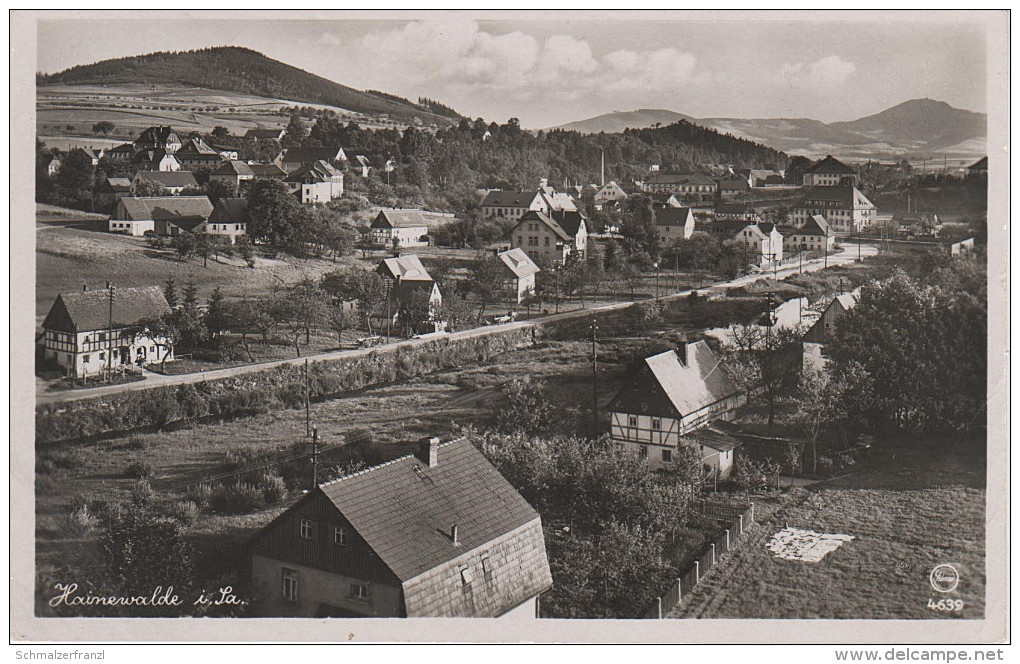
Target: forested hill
<point x="242" y="70"/>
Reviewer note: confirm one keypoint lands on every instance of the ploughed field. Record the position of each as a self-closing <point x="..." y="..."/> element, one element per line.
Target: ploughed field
<point x="913" y="505"/>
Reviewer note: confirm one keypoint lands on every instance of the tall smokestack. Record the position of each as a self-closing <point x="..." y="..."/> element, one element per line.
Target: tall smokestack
<point x="603" y="167"/>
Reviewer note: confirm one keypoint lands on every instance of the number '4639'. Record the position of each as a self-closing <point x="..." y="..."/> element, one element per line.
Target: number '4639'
<point x="946" y="605"/>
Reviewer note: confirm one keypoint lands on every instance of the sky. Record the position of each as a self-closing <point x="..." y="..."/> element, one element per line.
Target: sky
<point x="550" y="68"/>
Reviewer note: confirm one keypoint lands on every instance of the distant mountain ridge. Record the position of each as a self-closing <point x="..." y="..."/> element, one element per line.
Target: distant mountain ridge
<point x="242" y="70"/>
<point x="918" y="126"/>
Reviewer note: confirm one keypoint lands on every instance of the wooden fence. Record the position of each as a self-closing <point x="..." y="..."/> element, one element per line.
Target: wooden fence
<point x="736" y="520"/>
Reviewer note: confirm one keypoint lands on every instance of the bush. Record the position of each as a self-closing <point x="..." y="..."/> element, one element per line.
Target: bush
<point x="142" y="493"/>
<point x="83" y="521"/>
<point x="137" y="443"/>
<point x="240" y="498"/>
<point x="184" y="511"/>
<point x="141" y="470"/>
<point x="199" y="494"/>
<point x="755" y="475"/>
<point x="273" y="488"/>
<point x="647" y="312"/>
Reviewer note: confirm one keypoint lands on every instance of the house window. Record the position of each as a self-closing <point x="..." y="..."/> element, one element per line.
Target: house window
<point x="102" y="356"/>
<point x="85" y="359"/>
<point x="632" y="420"/>
<point x="341" y="536"/>
<point x="644" y="452"/>
<point x="656" y="423"/>
<point x="359" y="591"/>
<point x="290" y="584"/>
<point x="305" y="529"/>
<point x="667" y="456"/>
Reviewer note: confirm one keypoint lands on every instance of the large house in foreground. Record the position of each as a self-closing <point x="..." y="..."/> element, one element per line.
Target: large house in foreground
<point x="550" y="238"/>
<point x="163" y="215"/>
<point x="670" y="396"/>
<point x="85" y="334"/>
<point x="519" y="282"/>
<point x="408" y="227"/>
<point x="436" y="534"/>
<point x="843" y="207"/>
<point x="408" y="278"/>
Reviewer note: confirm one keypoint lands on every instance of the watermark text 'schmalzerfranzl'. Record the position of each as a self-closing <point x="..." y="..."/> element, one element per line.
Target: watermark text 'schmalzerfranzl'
<point x="919" y="655"/>
<point x="60" y="654"/>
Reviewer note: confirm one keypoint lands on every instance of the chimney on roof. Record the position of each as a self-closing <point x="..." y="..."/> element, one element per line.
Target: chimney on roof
<point x="453" y="535"/>
<point x="84" y="288"/>
<point x="428" y="452"/>
<point x="681" y="350"/>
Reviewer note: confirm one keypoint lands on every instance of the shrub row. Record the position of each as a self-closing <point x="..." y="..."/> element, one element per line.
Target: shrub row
<point x="261" y="391"/>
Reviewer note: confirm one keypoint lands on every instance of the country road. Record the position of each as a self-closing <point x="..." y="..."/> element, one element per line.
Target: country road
<point x="849" y="255"/>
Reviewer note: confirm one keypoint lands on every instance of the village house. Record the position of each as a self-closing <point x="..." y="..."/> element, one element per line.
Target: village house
<point x="520" y="280"/>
<point x="512" y="205"/>
<point x="408" y="227"/>
<point x="660" y="201"/>
<point x="979" y="169"/>
<point x="121" y="153"/>
<point x="757" y="178"/>
<point x="112" y="189"/>
<point x="232" y="173"/>
<point x="843" y="207"/>
<point x="543" y="236"/>
<point x="763" y="244"/>
<point x="731" y="188"/>
<point x="92" y="155"/>
<point x="815" y="235"/>
<point x="829" y="172"/>
<point x="822" y="330"/>
<point x="158" y="138"/>
<point x="691" y="187"/>
<point x="195" y="154"/>
<point x="53" y="167"/>
<point x="163" y="215"/>
<point x="736" y="212"/>
<point x="229" y="219"/>
<point x="317" y="183"/>
<point x="439" y="533"/>
<point x="174" y="181"/>
<point x="674" y="224"/>
<point x="268" y="171"/>
<point x="407" y="277"/>
<point x="155" y="160"/>
<point x="257" y="135"/>
<point x="668" y="397"/>
<point x="292" y="159"/>
<point x="609" y="193"/>
<point x="85" y="334"/>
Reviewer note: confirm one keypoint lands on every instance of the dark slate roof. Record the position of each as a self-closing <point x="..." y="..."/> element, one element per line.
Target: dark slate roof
<point x="115" y="185"/>
<point x="196" y="146"/>
<point x="816" y="225"/>
<point x="404" y="509"/>
<point x="138" y="208"/>
<point x="230" y="211"/>
<point x="123" y="147"/>
<point x="711" y="437"/>
<point x="664" y="385"/>
<point x="535" y="215"/>
<point x="733" y="185"/>
<point x="262" y="134"/>
<point x="399" y="219"/>
<point x="681" y="178"/>
<point x="569" y="220"/>
<point x="672" y="216"/>
<point x="404" y="268"/>
<point x="979" y="165"/>
<point x="267" y="171"/>
<point x="311" y="155"/>
<point x="831" y="166"/>
<point x="90" y="310"/>
<point x="499" y="198"/>
<point x="320" y="171"/>
<point x="842" y="194"/>
<point x="169" y="178"/>
<point x="156" y="136"/>
<point x="233" y="167"/>
<point x="725" y="227"/>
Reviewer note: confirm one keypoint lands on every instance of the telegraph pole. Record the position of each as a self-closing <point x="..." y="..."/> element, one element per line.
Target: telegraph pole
<point x="308" y="403"/>
<point x="594" y="374"/>
<point x="112" y="292"/>
<point x="315" y="457"/>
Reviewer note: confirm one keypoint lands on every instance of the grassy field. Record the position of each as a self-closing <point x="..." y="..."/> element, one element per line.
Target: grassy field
<point x="912" y="505"/>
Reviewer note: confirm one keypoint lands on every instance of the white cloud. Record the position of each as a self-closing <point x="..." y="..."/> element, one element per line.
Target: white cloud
<point x="830" y="70"/>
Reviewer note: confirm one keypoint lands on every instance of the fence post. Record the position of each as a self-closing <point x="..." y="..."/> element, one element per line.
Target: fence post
<point x="697" y="572"/>
<point x="658" y="607"/>
<point x="679" y="591"/>
<point x="713" y="552"/>
<point x="727" y="539"/>
<point x="740" y="524"/>
<point x="752" y="511"/>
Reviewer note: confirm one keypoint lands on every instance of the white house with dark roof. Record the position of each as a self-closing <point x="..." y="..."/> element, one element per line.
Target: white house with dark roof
<point x="763" y="244"/>
<point x="669" y="396"/>
<point x="195" y="153"/>
<point x="814" y="235"/>
<point x="85" y="334"/>
<point x="546" y="237"/>
<point x="843" y="207"/>
<point x="156" y="159"/>
<point x="609" y="193"/>
<point x="229" y="219"/>
<point x="829" y="172"/>
<point x="436" y="534"/>
<point x="513" y="204"/>
<point x="232" y="173"/>
<point x="407" y="278"/>
<point x="164" y="215"/>
<point x="408" y="227"/>
<point x="674" y="224"/>
<point x="316" y="183"/>
<point x="520" y="280"/>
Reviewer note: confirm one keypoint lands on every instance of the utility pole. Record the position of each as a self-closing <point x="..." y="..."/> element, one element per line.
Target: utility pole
<point x="389" y="318"/>
<point x="112" y="292"/>
<point x="556" y="273"/>
<point x="315" y="457"/>
<point x="656" y="281"/>
<point x="858" y="247"/>
<point x="308" y="403"/>
<point x="594" y="375"/>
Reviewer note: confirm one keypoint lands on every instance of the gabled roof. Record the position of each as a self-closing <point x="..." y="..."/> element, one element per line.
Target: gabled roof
<point x="831" y="166"/>
<point x="681" y="178"/>
<point x="767" y="227"/>
<point x="672" y="216"/>
<point x="684" y="388"/>
<point x="518" y="262"/>
<point x="725" y="227"/>
<point x="979" y="165"/>
<point x="156" y="136"/>
<point x="569" y="220"/>
<point x="498" y="198"/>
<point x="558" y="200"/>
<point x="535" y="215"/>
<point x="404" y="268"/>
<point x="712" y="437"/>
<point x="115" y="185"/>
<point x="404" y="508"/>
<point x="90" y="310"/>
<point x="230" y="211"/>
<point x="664" y="199"/>
<point x="169" y="178"/>
<point x="163" y="208"/>
<point x="152" y="156"/>
<point x="320" y="171"/>
<point x="733" y="185"/>
<point x="267" y="171"/>
<point x="816" y="225"/>
<point x="263" y="134"/>
<point x="233" y="167"/>
<point x="399" y="219"/>
<point x="196" y="146"/>
<point x="123" y="147"/>
<point x="311" y="155"/>
<point x="845" y="195"/>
